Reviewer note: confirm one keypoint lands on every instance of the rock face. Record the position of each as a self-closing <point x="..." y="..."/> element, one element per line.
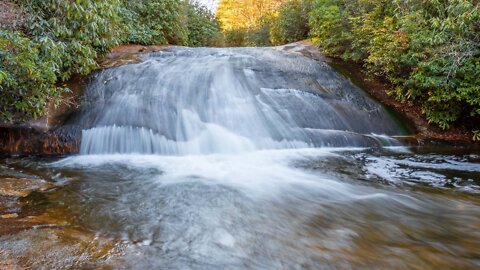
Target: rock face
<point x="25" y="140"/>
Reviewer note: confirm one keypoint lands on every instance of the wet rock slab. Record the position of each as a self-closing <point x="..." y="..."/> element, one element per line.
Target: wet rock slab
<point x="52" y="248"/>
<point x="22" y="187"/>
<point x="20" y="197"/>
<point x="36" y="235"/>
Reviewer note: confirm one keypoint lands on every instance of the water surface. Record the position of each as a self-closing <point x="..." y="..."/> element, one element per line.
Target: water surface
<point x="276" y="209"/>
<point x="241" y="158"/>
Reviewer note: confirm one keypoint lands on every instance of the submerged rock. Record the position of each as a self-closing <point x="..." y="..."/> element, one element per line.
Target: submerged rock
<point x="47" y="239"/>
<point x="53" y="248"/>
<point x="21" y="197"/>
<point x="14" y="215"/>
<point x="22" y="187"/>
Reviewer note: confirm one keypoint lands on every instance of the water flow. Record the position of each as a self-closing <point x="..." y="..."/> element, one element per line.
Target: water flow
<point x="208" y="199"/>
<point x="184" y="101"/>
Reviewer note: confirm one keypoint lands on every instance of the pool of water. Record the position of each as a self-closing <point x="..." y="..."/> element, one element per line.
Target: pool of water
<point x="326" y="208"/>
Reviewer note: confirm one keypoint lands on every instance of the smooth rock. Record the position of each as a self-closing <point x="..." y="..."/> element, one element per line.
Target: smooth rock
<point x="22" y="187"/>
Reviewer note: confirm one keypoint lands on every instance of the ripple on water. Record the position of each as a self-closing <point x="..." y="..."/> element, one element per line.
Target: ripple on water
<point x="300" y="209"/>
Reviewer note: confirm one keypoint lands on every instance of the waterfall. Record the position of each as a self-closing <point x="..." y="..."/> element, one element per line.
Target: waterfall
<point x="184" y="101"/>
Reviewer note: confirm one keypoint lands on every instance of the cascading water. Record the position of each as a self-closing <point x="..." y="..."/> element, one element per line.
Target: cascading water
<point x="214" y="159"/>
<point x="185" y="101"/>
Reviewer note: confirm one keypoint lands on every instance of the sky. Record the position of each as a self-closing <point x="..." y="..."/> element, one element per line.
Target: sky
<point x="210" y="4"/>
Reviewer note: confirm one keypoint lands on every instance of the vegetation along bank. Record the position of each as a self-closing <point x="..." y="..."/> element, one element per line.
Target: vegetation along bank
<point x="426" y="52"/>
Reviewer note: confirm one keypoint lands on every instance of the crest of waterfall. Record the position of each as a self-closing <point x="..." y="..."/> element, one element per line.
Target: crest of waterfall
<point x="184" y="101"/>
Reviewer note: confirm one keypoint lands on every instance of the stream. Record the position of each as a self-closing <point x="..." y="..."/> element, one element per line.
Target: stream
<point x="239" y="158"/>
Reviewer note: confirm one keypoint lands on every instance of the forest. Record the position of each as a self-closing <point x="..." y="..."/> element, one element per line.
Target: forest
<point x="428" y="52"/>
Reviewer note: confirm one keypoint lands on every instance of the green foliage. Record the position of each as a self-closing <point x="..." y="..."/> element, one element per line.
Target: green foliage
<point x="476" y="135"/>
<point x="255" y="36"/>
<point x="329" y="26"/>
<point x="155" y="21"/>
<point x="63" y="38"/>
<point x="236" y="37"/>
<point x="250" y="37"/>
<point x="291" y="24"/>
<point x="202" y="27"/>
<point x="428" y="50"/>
<point x="27" y="78"/>
<point x="82" y="30"/>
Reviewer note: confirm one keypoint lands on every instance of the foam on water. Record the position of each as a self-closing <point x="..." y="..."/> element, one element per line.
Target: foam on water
<point x="259" y="174"/>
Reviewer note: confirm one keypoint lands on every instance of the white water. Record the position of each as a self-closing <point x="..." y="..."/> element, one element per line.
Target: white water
<point x="270" y="209"/>
<point x="259" y="174"/>
<point x="209" y="101"/>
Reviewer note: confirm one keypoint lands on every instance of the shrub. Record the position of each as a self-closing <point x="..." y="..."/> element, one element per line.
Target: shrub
<point x="428" y="50"/>
<point x="291" y="24"/>
<point x="203" y="27"/>
<point x="62" y="38"/>
<point x="329" y="25"/>
<point x="150" y="22"/>
<point x="82" y="30"/>
<point x="27" y="78"/>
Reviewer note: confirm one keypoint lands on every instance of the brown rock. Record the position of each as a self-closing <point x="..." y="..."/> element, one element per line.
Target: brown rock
<point x="22" y="187"/>
<point x="57" y="248"/>
<point x="14" y="215"/>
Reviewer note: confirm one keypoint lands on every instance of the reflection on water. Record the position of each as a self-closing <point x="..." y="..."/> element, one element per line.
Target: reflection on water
<point x="278" y="209"/>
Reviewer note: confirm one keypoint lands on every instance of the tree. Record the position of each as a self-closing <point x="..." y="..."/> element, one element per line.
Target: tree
<point x="291" y="22"/>
<point x="244" y="14"/>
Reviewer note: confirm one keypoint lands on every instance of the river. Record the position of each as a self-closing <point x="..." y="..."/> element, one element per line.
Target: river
<point x="242" y="158"/>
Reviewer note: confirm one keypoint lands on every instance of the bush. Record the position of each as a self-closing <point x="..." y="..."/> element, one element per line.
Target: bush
<point x="82" y="30"/>
<point x="428" y="50"/>
<point x="236" y="37"/>
<point x="62" y="38"/>
<point x="256" y="36"/>
<point x="202" y="27"/>
<point x="150" y="22"/>
<point x="329" y="26"/>
<point x="291" y="24"/>
<point x="27" y="78"/>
